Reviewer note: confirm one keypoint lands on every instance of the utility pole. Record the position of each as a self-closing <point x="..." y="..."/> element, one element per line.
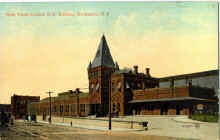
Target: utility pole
<point x="77" y="97"/>
<point x="49" y="92"/>
<point x="218" y="78"/>
<point x="110" y="114"/>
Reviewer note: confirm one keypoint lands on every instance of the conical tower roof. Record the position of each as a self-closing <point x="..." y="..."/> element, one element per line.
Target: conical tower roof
<point x="89" y="66"/>
<point x="103" y="56"/>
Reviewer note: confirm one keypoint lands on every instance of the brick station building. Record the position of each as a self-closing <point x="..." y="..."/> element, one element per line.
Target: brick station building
<point x="20" y="103"/>
<point x="133" y="92"/>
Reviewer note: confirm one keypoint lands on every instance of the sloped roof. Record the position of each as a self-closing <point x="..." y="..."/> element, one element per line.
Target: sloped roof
<point x="65" y="96"/>
<point x="103" y="56"/>
<point x="169" y="99"/>
<point x="192" y="75"/>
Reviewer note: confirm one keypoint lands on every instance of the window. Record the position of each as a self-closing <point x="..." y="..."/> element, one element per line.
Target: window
<point x="127" y="85"/>
<point x="113" y="107"/>
<point x="91" y="88"/>
<point x="171" y="83"/>
<point x="73" y="108"/>
<point x="118" y="107"/>
<point x="119" y="86"/>
<point x="190" y="82"/>
<point x="151" y="107"/>
<point x="61" y="108"/>
<point x="139" y="85"/>
<point x="132" y="85"/>
<point x="82" y="107"/>
<point x="55" y="108"/>
<point x="113" y="88"/>
<point x="97" y="87"/>
<point x="67" y="108"/>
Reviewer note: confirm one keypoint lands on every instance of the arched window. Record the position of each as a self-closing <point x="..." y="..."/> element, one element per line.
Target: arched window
<point x="114" y="107"/>
<point x="113" y="87"/>
<point x="97" y="87"/>
<point x="118" y="107"/>
<point x="91" y="88"/>
<point x="119" y="86"/>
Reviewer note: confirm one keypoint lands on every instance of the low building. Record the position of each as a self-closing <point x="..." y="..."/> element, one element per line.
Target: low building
<point x="70" y="103"/>
<point x="20" y="103"/>
<point x="5" y="108"/>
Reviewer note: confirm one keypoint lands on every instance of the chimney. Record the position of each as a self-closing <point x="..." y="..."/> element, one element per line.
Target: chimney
<point x="148" y="72"/>
<point x="135" y="69"/>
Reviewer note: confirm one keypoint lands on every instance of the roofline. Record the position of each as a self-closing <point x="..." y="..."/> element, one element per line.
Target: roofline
<point x="170" y="99"/>
<point x="5" y="104"/>
<point x="196" y="74"/>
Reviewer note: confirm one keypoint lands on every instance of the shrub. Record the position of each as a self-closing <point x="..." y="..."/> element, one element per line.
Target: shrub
<point x="205" y="118"/>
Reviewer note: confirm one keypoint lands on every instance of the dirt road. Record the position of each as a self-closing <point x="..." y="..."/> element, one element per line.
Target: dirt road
<point x="24" y="131"/>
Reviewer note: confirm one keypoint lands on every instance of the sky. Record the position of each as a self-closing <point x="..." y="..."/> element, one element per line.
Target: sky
<point x="42" y="53"/>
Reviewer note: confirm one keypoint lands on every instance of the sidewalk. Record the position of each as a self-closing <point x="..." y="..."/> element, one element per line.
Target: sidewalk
<point x="90" y="127"/>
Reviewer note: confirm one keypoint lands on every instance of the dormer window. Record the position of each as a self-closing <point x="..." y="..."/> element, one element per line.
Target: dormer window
<point x="97" y="87"/>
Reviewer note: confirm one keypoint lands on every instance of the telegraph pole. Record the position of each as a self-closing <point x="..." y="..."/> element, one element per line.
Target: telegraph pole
<point x="218" y="78"/>
<point x="49" y="92"/>
<point x="77" y="102"/>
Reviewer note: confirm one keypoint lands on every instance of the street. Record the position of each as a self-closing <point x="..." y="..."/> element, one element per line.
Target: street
<point x="38" y="131"/>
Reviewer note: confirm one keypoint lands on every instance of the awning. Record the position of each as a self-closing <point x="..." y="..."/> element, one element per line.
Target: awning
<point x="169" y="99"/>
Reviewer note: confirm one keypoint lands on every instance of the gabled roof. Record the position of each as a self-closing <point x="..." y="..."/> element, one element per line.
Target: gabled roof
<point x="103" y="56"/>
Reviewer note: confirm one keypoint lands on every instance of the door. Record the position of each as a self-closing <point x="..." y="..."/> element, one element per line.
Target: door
<point x="164" y="109"/>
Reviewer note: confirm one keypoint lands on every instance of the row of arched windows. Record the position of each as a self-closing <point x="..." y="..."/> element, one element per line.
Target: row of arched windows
<point x="118" y="86"/>
<point x="116" y="107"/>
<point x="94" y="87"/>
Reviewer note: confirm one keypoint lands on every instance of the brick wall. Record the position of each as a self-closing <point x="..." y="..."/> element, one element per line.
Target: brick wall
<point x="158" y="93"/>
<point x="66" y="107"/>
<point x="19" y="104"/>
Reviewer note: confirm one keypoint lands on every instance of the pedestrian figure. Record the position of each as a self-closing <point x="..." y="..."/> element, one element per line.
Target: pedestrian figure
<point x="71" y="123"/>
